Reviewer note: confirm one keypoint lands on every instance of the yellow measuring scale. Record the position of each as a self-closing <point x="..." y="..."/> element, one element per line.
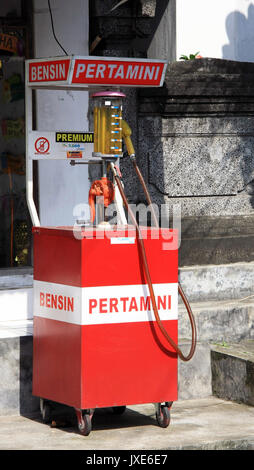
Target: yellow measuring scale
<point x="108" y="124"/>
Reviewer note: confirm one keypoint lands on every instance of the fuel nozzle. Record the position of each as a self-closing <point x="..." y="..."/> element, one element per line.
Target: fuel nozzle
<point x="126" y="133"/>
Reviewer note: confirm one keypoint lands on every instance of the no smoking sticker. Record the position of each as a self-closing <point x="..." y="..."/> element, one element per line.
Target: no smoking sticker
<point x="42" y="145"/>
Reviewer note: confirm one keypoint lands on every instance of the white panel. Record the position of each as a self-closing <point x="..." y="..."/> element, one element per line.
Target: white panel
<point x="61" y="186"/>
<point x="16" y="304"/>
<point x="57" y="302"/>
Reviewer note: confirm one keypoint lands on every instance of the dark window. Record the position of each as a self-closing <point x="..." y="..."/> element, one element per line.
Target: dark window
<point x="15" y="47"/>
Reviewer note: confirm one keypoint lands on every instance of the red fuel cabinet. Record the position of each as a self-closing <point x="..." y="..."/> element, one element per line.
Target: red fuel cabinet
<point x="96" y="340"/>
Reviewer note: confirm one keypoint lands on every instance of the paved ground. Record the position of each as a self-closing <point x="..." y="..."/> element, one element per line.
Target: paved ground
<point x="207" y="423"/>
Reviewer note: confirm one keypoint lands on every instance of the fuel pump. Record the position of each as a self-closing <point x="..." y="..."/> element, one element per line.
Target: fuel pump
<point x="107" y="112"/>
<point x="105" y="301"/>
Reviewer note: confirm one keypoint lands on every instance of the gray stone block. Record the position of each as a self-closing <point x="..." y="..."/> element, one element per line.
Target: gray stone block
<point x="218" y="321"/>
<point x="16" y="376"/>
<point x="194" y="376"/>
<point x="9" y="385"/>
<point x="233" y="372"/>
<point x="197" y="157"/>
<point x="148" y="7"/>
<point x="202" y="166"/>
<point x="218" y="283"/>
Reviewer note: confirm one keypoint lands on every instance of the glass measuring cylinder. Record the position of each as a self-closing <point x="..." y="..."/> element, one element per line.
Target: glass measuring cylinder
<point x="108" y="123"/>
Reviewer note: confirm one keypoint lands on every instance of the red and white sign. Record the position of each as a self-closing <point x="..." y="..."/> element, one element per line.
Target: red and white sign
<point x="54" y="70"/>
<point x="105" y="304"/>
<point x="45" y="146"/>
<point x="118" y="72"/>
<point x="97" y="71"/>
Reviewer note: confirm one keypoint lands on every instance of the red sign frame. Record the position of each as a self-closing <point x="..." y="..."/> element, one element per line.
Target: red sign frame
<point x="44" y="71"/>
<point x="116" y="72"/>
<point x="96" y="71"/>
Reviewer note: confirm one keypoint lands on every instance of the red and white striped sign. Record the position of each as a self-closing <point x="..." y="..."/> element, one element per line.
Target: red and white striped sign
<point x="104" y="304"/>
<point x="97" y="71"/>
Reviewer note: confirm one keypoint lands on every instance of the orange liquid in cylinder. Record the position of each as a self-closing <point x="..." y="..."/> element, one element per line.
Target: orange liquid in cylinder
<point x="108" y="129"/>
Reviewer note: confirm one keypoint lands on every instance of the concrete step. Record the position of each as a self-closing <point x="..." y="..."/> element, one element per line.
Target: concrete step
<point x="217" y="322"/>
<point x="218" y="282"/>
<point x="232" y="367"/>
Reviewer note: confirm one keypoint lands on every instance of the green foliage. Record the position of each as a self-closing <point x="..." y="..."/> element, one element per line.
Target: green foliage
<point x="191" y="56"/>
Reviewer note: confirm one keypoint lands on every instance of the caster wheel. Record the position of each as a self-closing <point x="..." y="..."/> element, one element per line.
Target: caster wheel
<point x="163" y="416"/>
<point x="84" y="422"/>
<point x="118" y="410"/>
<point x="85" y="427"/>
<point x="45" y="411"/>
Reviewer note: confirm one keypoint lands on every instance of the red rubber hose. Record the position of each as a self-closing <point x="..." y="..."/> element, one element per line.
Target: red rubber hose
<point x="149" y="281"/>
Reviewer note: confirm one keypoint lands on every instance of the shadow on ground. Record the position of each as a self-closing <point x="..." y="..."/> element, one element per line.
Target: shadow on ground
<point x="64" y="418"/>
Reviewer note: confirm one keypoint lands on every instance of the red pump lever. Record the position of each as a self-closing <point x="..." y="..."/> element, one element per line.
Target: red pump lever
<point x="103" y="187"/>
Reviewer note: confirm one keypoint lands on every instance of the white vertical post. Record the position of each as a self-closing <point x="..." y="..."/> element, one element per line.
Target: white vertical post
<point x="29" y="161"/>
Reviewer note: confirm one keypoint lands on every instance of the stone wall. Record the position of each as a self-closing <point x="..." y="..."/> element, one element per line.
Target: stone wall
<point x="193" y="138"/>
<point x="196" y="149"/>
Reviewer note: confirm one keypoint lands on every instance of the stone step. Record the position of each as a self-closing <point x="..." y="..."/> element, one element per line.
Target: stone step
<point x="232" y="367"/>
<point x="218" y="321"/>
<point x="218" y="282"/>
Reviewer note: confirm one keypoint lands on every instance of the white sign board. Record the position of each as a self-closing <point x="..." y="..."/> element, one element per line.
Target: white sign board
<point x="60" y="145"/>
